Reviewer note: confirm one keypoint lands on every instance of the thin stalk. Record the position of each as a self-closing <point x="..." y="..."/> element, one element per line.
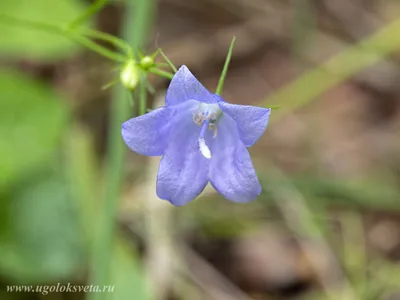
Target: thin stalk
<point x="97" y="48"/>
<point x="142" y="95"/>
<point x="109" y="38"/>
<point x="138" y="15"/>
<point x="90" y="11"/>
<point x="225" y="69"/>
<point x="58" y="30"/>
<point x="170" y="64"/>
<point x="161" y="73"/>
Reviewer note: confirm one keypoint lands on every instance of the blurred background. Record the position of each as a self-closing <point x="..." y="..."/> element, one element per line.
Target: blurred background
<point x="327" y="224"/>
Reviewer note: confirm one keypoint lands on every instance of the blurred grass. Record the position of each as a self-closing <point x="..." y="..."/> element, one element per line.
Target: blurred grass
<point x="304" y="25"/>
<point x="342" y="66"/>
<point x="136" y="24"/>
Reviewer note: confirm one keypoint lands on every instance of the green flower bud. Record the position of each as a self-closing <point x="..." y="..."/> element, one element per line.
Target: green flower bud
<point x="130" y="75"/>
<point x="146" y="62"/>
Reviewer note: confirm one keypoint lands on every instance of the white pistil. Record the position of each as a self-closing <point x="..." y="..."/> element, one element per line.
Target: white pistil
<point x="204" y="148"/>
<point x="206" y="116"/>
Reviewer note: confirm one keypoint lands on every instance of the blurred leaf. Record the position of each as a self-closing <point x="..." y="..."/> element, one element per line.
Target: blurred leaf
<point x="349" y="191"/>
<point x="376" y="195"/>
<point x="40" y="236"/>
<point x="127" y="275"/>
<point x="32" y="43"/>
<point x="31" y="122"/>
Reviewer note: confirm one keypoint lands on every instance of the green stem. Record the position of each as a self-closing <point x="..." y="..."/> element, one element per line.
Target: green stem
<point x="225" y="69"/>
<point x="121" y="44"/>
<point x="57" y="30"/>
<point x="98" y="49"/>
<point x="354" y="252"/>
<point x="336" y="70"/>
<point x="135" y="31"/>
<point x="171" y="65"/>
<point x="90" y="11"/>
<point x="161" y="73"/>
<point x="142" y="95"/>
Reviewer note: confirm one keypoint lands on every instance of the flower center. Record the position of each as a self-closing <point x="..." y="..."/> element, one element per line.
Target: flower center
<point x="206" y="116"/>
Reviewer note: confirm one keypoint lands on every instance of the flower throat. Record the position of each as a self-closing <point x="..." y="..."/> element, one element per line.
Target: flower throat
<point x="206" y="116"/>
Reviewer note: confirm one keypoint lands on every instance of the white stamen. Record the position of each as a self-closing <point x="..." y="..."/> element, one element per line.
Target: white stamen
<point x="204" y="149"/>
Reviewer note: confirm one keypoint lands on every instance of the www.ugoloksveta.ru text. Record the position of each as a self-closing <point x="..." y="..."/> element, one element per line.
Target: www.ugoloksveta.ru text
<point x="60" y="288"/>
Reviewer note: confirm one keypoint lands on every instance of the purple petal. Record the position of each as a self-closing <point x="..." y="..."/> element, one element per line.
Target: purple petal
<point x="184" y="86"/>
<point x="251" y="121"/>
<point x="148" y="134"/>
<point x="231" y="170"/>
<point x="183" y="171"/>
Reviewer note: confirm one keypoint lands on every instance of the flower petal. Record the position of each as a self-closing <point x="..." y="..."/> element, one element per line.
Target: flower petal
<point x="183" y="170"/>
<point x="184" y="86"/>
<point x="231" y="170"/>
<point x="251" y="120"/>
<point x="148" y="133"/>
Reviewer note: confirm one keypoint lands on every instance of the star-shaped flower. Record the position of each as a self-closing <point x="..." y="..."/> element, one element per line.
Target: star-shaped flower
<point x="201" y="139"/>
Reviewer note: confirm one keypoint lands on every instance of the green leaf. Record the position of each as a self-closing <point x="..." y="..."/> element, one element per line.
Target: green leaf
<point x="32" y="119"/>
<point x="40" y="234"/>
<point x="29" y="43"/>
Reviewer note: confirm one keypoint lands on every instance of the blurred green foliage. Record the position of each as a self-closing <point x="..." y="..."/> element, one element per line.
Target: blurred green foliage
<point x="48" y="181"/>
<point x="40" y="237"/>
<point x="40" y="234"/>
<point x="33" y="44"/>
<point x="32" y="120"/>
<point x="127" y="275"/>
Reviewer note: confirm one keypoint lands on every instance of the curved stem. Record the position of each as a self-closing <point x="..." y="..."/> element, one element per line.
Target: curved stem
<point x="58" y="30"/>
<point x="110" y="39"/>
<point x="91" y="10"/>
<point x="97" y="48"/>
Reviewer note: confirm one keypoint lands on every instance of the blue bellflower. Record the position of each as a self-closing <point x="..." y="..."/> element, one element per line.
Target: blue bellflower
<point x="201" y="138"/>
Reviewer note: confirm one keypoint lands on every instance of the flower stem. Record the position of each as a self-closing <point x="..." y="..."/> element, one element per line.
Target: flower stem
<point x="135" y="31"/>
<point x="91" y="10"/>
<point x="142" y="95"/>
<point x="161" y="73"/>
<point x="98" y="49"/>
<point x="121" y="44"/>
<point x="58" y="30"/>
<point x="171" y="65"/>
<point x="225" y="69"/>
